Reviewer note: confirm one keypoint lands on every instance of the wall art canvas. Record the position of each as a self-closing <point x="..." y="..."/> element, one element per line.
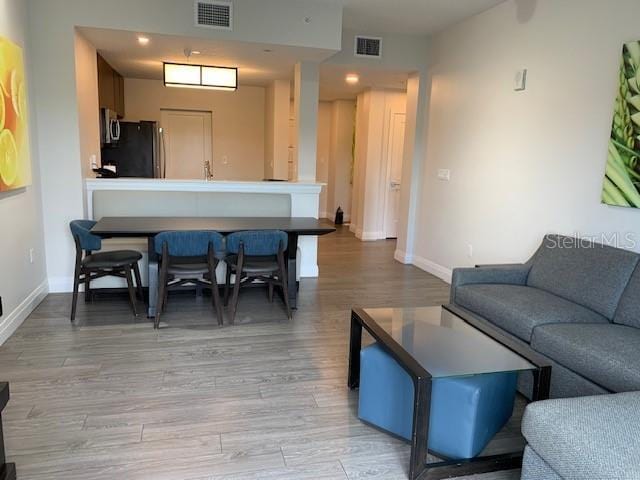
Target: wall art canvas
<point x="15" y="160"/>
<point x="622" y="178"/>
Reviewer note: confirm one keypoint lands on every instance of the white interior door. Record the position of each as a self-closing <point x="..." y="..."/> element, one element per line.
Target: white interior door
<point x="394" y="174"/>
<point x="188" y="143"/>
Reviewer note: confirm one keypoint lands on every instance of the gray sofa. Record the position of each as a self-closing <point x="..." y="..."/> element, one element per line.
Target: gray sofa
<point x="575" y="302"/>
<point x="595" y="437"/>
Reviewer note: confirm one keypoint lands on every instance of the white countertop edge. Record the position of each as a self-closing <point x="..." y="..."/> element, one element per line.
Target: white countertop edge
<point x="164" y="185"/>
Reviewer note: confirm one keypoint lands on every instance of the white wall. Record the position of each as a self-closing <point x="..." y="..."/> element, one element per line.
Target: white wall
<point x="276" y="126"/>
<point x="88" y="102"/>
<point x="375" y="108"/>
<point x="522" y="163"/>
<point x="22" y="283"/>
<point x="324" y="154"/>
<point x="339" y="191"/>
<point x="238" y="121"/>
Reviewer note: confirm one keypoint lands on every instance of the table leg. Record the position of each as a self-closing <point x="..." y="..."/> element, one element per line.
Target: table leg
<point x="420" y="433"/>
<point x="355" y="345"/>
<point x="153" y="279"/>
<point x="541" y="383"/>
<point x="292" y="269"/>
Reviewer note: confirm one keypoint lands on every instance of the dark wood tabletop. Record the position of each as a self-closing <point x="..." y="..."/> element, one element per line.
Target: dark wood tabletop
<point x="151" y="226"/>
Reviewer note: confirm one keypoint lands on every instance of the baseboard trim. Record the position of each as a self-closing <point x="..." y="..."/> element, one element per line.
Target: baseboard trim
<point x="403" y="257"/>
<point x="60" y="284"/>
<point x="433" y="268"/>
<point x="369" y="236"/>
<point x="19" y="314"/>
<point x="311" y="271"/>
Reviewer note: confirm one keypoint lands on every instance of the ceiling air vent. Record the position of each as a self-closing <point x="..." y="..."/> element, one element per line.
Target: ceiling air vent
<point x="214" y="14"/>
<point x="368" y="47"/>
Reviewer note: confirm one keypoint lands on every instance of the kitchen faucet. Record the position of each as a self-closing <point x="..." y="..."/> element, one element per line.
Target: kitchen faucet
<point x="208" y="173"/>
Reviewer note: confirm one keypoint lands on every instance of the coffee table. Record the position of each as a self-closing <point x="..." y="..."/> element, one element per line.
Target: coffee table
<point x="439" y="342"/>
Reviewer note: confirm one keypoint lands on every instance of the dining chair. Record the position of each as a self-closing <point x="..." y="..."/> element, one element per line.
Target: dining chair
<point x="252" y="256"/>
<point x="188" y="257"/>
<point x="92" y="264"/>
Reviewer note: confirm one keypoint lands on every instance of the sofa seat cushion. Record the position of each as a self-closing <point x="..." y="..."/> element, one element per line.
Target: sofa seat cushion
<point x="587" y="437"/>
<point x="519" y="309"/>
<point x="608" y="355"/>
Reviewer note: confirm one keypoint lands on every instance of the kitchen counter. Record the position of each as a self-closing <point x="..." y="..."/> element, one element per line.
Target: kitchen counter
<point x="159" y="184"/>
<point x="135" y="197"/>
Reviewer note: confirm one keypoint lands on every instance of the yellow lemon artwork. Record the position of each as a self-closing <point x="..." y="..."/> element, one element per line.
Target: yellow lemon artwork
<point x="15" y="161"/>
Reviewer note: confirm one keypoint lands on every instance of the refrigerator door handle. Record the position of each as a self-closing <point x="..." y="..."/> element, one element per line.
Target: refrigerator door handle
<point x="163" y="154"/>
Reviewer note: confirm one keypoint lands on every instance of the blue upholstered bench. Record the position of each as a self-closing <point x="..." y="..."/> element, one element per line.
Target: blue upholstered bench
<point x="466" y="412"/>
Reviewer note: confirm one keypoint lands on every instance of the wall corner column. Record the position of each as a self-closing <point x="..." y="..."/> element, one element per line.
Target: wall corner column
<point x="413" y="157"/>
<point x="306" y="97"/>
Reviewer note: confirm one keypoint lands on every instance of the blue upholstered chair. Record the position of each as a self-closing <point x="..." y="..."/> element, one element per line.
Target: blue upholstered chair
<point x="188" y="258"/>
<point x="91" y="266"/>
<point x="256" y="255"/>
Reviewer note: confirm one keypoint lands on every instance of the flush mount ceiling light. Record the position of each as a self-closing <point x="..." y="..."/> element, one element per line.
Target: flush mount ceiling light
<point x="142" y="40"/>
<point x="352" y="78"/>
<point x="188" y="75"/>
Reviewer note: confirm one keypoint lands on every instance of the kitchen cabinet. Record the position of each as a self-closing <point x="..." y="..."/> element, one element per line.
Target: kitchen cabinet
<point x="110" y="88"/>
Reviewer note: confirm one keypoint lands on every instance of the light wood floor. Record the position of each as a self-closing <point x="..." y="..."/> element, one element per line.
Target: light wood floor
<point x="110" y="398"/>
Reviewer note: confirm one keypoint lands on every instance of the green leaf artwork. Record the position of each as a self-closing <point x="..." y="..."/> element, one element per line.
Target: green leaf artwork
<point x="622" y="177"/>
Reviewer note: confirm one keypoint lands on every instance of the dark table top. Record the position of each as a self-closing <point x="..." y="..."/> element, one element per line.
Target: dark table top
<point x="151" y="226"/>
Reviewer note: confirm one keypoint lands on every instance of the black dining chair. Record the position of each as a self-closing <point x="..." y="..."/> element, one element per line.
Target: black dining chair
<point x="256" y="256"/>
<point x="92" y="264"/>
<point x="188" y="257"/>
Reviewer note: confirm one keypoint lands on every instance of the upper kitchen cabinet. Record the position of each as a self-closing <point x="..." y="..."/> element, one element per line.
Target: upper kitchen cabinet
<point x="110" y="88"/>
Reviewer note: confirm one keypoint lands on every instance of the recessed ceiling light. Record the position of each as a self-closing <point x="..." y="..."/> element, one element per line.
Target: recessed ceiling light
<point x="352" y="78"/>
<point x="142" y="40"/>
<point x="196" y="52"/>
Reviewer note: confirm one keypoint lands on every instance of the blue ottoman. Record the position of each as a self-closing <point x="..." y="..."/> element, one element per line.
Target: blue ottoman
<point x="466" y="412"/>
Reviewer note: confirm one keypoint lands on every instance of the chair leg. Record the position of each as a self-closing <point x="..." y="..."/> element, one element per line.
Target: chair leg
<point x="282" y="273"/>
<point x="87" y="290"/>
<point x="162" y="290"/>
<point x="215" y="294"/>
<point x="136" y="272"/>
<point x="270" y="291"/>
<point x="132" y="292"/>
<point x="227" y="285"/>
<point x="236" y="289"/>
<point x="76" y="287"/>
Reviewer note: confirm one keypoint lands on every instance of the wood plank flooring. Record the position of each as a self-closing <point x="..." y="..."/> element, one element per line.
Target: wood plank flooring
<point x="108" y="397"/>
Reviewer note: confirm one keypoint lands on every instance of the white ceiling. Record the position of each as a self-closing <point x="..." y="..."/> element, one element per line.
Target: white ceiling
<point x="255" y="66"/>
<point x="260" y="64"/>
<point x="334" y="87"/>
<point x="410" y="17"/>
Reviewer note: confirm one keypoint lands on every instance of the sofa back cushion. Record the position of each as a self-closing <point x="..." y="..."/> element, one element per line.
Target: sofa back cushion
<point x="628" y="312"/>
<point x="588" y="273"/>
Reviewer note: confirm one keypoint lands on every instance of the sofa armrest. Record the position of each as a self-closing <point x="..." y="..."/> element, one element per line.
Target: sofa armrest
<point x="587" y="437"/>
<point x="512" y="274"/>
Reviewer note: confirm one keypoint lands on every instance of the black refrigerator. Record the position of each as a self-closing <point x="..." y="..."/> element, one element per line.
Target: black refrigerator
<point x="137" y="152"/>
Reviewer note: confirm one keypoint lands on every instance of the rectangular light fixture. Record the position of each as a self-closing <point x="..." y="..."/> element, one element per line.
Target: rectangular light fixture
<point x="187" y="75"/>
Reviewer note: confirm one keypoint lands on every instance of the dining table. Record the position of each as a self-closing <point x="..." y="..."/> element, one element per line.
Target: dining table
<point x="149" y="227"/>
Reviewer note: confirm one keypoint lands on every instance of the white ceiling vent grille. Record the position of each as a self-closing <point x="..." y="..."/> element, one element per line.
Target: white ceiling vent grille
<point x="214" y="14"/>
<point x="368" y="47"/>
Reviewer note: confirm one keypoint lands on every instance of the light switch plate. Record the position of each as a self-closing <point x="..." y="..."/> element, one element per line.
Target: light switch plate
<point x="444" y="174"/>
<point x="520" y="80"/>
